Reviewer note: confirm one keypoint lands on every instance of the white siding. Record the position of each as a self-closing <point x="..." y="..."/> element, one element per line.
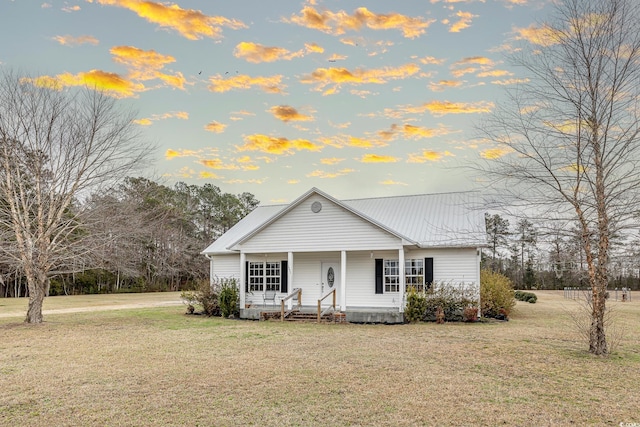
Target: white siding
<point x="332" y="229"/>
<point x="226" y="266"/>
<point x="361" y="281"/>
<point x="451" y="265"/>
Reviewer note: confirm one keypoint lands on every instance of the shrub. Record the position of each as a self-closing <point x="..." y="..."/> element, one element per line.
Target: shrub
<point x="496" y="294"/>
<point x="470" y="314"/>
<point x="204" y="296"/>
<point x="529" y="297"/>
<point x="416" y="306"/>
<point x="451" y="298"/>
<point x="229" y="297"/>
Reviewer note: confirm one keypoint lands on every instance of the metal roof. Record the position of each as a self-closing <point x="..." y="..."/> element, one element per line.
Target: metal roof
<point x="431" y="220"/>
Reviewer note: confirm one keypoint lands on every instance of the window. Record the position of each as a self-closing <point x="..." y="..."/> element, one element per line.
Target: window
<point x="264" y="274"/>
<point x="414" y="274"/>
<point x="391" y="275"/>
<point x="256" y="276"/>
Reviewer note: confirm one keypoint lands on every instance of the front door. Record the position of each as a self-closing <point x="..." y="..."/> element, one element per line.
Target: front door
<point x="329" y="281"/>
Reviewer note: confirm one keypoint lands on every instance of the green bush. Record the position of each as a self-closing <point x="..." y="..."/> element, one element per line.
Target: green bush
<point x="496" y="294"/>
<point x="205" y="296"/>
<point x="416" y="306"/>
<point x="229" y="297"/>
<point x="529" y="297"/>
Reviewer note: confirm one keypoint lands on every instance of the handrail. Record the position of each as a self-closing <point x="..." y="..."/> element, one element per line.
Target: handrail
<point x="320" y="312"/>
<point x="293" y="293"/>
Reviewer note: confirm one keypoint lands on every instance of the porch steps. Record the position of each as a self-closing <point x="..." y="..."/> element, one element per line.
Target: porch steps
<point x="306" y="316"/>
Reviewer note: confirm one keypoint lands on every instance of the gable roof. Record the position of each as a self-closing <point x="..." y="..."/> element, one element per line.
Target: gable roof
<point x="425" y="220"/>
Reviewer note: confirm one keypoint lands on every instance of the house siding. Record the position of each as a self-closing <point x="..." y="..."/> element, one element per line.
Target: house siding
<point x="334" y="228"/>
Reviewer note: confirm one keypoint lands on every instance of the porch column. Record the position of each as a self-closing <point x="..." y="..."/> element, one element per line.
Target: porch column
<point x="343" y="281"/>
<point x="290" y="278"/>
<point x="243" y="261"/>
<point x="403" y="284"/>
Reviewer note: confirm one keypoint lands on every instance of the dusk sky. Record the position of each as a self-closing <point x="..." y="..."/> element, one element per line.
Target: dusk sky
<point x="273" y="97"/>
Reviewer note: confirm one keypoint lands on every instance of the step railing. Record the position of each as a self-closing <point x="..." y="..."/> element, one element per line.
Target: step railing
<point x="296" y="293"/>
<point x="326" y="310"/>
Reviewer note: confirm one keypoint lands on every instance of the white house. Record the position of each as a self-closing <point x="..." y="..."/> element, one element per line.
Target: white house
<point x="367" y="250"/>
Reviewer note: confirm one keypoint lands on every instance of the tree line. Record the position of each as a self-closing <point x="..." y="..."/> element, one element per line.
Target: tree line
<point x="138" y="236"/>
<point x="543" y="256"/>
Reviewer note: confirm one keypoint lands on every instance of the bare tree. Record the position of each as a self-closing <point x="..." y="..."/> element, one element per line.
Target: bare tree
<point x="56" y="146"/>
<point x="572" y="132"/>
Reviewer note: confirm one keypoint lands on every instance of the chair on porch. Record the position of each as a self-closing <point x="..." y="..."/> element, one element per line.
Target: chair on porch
<point x="269" y="296"/>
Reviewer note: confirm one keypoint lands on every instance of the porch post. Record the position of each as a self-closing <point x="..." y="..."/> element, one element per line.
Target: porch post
<point x="343" y="281"/>
<point x="243" y="260"/>
<point x="403" y="284"/>
<point x="290" y="278"/>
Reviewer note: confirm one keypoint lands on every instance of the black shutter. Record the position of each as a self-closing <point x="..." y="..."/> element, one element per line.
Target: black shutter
<point x="428" y="272"/>
<point x="284" y="277"/>
<point x="379" y="274"/>
<point x="246" y="276"/>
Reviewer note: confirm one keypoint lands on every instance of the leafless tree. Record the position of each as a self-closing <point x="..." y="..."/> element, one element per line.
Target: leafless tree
<point x="571" y="133"/>
<point x="56" y="146"/>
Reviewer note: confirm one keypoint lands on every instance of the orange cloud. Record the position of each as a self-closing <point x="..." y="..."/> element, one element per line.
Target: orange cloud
<point x="392" y="182"/>
<point x="256" y="53"/>
<point x="428" y="156"/>
<point x="191" y="24"/>
<point x="440" y="108"/>
<point x="217" y="164"/>
<point x="171" y="154"/>
<point x="271" y="145"/>
<point x="413" y="132"/>
<point x="148" y="121"/>
<point x="442" y="84"/>
<point x="323" y="77"/>
<point x="543" y="36"/>
<point x="375" y="158"/>
<point x="313" y="48"/>
<point x="267" y="84"/>
<point x="431" y="60"/>
<point x="287" y="114"/>
<point x="337" y="23"/>
<point x="331" y="161"/>
<point x="76" y="41"/>
<point x="323" y="174"/>
<point x="215" y="127"/>
<point x="495" y="73"/>
<point x="146" y="65"/>
<point x="495" y="153"/>
<point x="208" y="175"/>
<point x="509" y="81"/>
<point x="112" y="83"/>
<point x="464" y="21"/>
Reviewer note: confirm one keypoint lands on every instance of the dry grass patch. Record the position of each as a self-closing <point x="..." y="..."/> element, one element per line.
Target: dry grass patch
<point x="157" y="366"/>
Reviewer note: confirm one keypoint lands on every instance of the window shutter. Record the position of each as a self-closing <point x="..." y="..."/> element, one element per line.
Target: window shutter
<point x="379" y="273"/>
<point x="246" y="276"/>
<point x="428" y="272"/>
<point x="284" y="277"/>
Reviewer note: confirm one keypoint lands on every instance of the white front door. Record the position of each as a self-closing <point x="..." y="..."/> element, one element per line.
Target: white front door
<point x="330" y="280"/>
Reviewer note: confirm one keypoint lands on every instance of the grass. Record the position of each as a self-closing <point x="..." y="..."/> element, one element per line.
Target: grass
<point x="156" y="366"/>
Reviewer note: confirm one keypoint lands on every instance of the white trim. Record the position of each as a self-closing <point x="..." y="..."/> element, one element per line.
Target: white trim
<point x="403" y="285"/>
<point x="343" y="281"/>
<point x="243" y="296"/>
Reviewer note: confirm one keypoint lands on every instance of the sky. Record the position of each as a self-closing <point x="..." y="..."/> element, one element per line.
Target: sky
<point x="274" y="97"/>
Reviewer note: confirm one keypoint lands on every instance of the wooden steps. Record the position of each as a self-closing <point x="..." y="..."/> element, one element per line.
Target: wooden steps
<point x="305" y="316"/>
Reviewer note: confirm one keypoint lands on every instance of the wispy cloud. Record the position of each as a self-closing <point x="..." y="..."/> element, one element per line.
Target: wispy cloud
<point x="444" y="84"/>
<point x="273" y="145"/>
<point x="331" y="160"/>
<point x="495" y="153"/>
<point x="215" y="127"/>
<point x="543" y="36"/>
<point x="68" y="40"/>
<point x="441" y="108"/>
<point x="287" y="113"/>
<point x="112" y="83"/>
<point x="147" y="121"/>
<point x="428" y="156"/>
<point x="147" y="65"/>
<point x="392" y="182"/>
<point x="191" y="24"/>
<point x="337" y="23"/>
<point x="463" y="21"/>
<point x="271" y="84"/>
<point x="257" y="53"/>
<point x="413" y="132"/>
<point x="336" y="77"/>
<point x="375" y="158"/>
<point x="323" y="174"/>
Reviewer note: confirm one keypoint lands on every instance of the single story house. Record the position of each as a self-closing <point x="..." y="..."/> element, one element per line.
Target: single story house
<point x="367" y="250"/>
